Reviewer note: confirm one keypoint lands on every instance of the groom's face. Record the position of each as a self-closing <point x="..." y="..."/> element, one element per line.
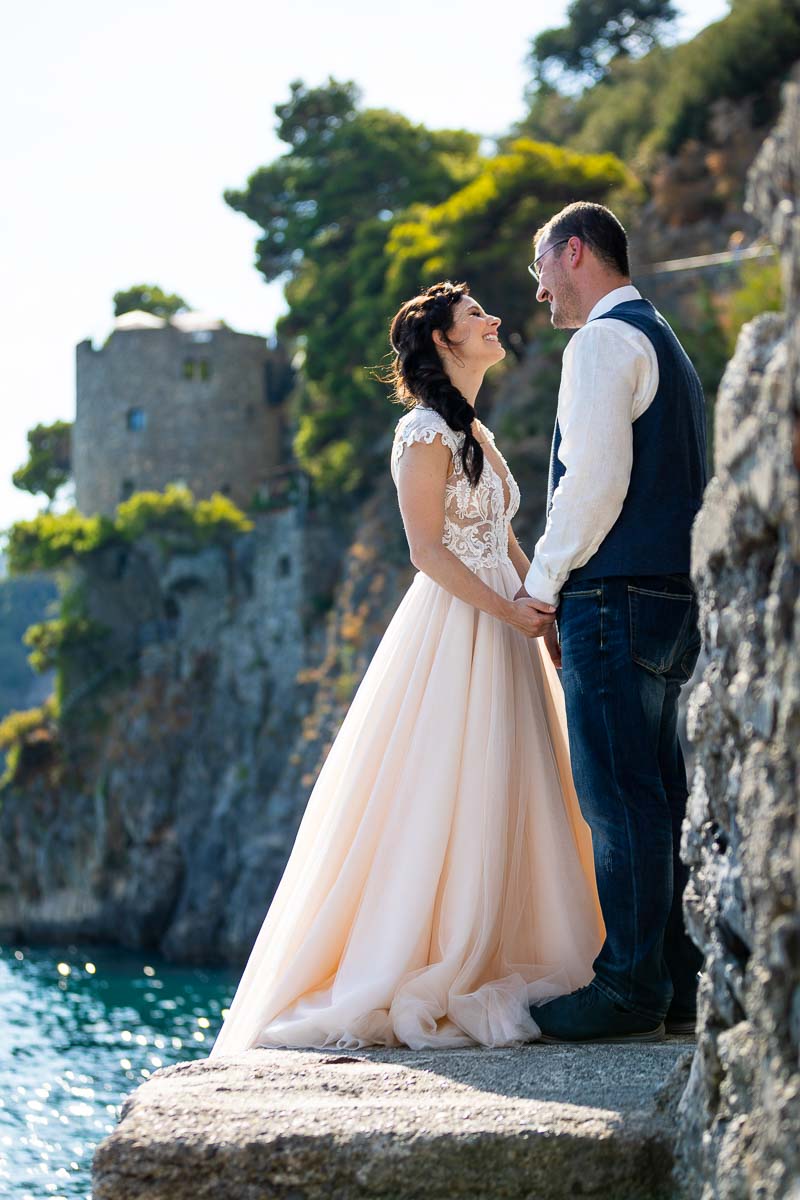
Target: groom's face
<point x="556" y="285"/>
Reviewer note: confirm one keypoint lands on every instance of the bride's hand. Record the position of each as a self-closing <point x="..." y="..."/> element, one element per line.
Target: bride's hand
<point x="531" y="617"/>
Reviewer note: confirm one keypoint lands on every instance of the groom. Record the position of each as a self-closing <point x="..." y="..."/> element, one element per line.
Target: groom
<point x="627" y="473"/>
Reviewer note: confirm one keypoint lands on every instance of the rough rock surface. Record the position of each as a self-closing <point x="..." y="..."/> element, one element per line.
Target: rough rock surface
<point x="540" y="1122"/>
<point x="740" y="1113"/>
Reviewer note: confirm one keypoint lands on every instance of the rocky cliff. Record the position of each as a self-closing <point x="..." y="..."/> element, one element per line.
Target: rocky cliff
<point x="163" y="814"/>
<point x="740" y="1112"/>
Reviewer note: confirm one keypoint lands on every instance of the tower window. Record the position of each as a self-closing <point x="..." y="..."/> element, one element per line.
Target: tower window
<point x="225" y="488"/>
<point x="194" y="368"/>
<point x="136" y="418"/>
<point x="126" y="490"/>
<point x="284" y="565"/>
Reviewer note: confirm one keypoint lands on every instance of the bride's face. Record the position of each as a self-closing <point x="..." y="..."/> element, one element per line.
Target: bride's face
<point x="473" y="336"/>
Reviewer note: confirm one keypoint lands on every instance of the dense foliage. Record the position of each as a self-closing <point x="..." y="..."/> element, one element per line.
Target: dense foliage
<point x="364" y="209"/>
<point x="49" y="539"/>
<point x="644" y="105"/>
<point x="49" y="462"/>
<point x="746" y="55"/>
<point x="326" y="208"/>
<point x="483" y="232"/>
<point x="148" y="297"/>
<point x="598" y="32"/>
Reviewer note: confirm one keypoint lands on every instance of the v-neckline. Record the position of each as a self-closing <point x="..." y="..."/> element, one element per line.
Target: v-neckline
<point x="505" y="485"/>
<point x="504" y="479"/>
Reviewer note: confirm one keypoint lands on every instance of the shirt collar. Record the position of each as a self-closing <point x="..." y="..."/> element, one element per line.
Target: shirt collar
<point x="613" y="298"/>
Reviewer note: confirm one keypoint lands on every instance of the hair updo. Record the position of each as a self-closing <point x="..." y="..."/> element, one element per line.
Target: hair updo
<point x="417" y="373"/>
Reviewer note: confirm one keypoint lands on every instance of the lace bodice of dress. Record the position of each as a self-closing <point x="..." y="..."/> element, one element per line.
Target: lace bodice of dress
<point x="475" y="519"/>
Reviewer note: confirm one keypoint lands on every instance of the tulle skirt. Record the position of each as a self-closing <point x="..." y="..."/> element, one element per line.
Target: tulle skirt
<point x="442" y="878"/>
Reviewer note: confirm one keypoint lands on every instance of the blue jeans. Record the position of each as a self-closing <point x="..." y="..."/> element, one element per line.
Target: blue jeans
<point x="628" y="645"/>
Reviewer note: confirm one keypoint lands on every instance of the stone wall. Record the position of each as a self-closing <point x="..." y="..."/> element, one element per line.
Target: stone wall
<point x="161" y="403"/>
<point x="740" y="1112"/>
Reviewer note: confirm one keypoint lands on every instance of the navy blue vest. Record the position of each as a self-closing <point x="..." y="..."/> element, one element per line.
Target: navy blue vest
<point x="652" y="534"/>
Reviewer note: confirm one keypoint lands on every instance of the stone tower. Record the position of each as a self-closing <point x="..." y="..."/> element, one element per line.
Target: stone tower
<point x="183" y="400"/>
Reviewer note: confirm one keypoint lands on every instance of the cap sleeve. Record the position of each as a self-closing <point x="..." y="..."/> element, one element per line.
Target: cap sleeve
<point x="422" y="425"/>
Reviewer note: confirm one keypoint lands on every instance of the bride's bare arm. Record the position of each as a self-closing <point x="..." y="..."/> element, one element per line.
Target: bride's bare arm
<point x="519" y="558"/>
<point x="421" y="478"/>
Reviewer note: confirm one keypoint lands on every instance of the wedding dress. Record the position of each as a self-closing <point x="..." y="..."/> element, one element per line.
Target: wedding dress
<point x="442" y="877"/>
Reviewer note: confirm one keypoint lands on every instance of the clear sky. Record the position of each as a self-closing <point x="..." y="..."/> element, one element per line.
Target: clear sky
<point x="122" y="124"/>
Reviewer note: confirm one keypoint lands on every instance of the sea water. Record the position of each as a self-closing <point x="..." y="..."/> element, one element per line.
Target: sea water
<point x="80" y="1027"/>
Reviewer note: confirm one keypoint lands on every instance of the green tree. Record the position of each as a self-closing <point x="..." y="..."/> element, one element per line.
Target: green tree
<point x="326" y="208"/>
<point x="49" y="464"/>
<point x="482" y="233"/>
<point x="641" y="107"/>
<point x="748" y="54"/>
<point x="596" y="33"/>
<point x="148" y="297"/>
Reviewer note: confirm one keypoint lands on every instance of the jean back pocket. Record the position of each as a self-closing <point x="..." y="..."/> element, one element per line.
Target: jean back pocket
<point x="662" y="625"/>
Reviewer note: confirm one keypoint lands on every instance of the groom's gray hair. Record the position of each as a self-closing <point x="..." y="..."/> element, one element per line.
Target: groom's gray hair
<point x="595" y="225"/>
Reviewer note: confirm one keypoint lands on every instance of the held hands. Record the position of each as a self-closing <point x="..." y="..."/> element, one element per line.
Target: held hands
<point x="532" y="617"/>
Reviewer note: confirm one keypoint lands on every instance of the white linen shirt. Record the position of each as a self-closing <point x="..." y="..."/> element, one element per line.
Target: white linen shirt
<point x="609" y="378"/>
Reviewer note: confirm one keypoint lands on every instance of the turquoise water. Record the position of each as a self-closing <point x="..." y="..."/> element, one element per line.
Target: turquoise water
<point x="80" y="1027"/>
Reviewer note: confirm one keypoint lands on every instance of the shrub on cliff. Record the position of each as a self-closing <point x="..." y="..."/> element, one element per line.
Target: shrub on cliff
<point x="49" y="639"/>
<point x="175" y="510"/>
<point x="50" y="539"/>
<point x="28" y="738"/>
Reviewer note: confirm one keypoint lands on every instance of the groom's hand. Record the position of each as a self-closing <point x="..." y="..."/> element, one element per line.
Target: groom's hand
<point x="553" y="644"/>
<point x="550" y="631"/>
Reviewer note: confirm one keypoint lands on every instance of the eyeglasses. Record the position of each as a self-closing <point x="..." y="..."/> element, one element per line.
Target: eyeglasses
<point x="534" y="266"/>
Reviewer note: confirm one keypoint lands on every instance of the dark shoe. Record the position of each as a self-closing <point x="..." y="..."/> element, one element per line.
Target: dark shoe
<point x="680" y="1022"/>
<point x="588" y="1015"/>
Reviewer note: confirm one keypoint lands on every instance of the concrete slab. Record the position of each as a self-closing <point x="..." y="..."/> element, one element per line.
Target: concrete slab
<point x="536" y="1121"/>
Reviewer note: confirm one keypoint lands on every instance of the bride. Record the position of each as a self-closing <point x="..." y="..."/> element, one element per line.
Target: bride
<point x="442" y="877"/>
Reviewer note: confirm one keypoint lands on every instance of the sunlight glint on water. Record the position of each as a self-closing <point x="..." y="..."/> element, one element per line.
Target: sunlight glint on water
<point x="81" y="1027"/>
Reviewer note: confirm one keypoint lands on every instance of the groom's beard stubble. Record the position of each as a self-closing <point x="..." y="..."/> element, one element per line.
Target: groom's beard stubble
<point x="565" y="309"/>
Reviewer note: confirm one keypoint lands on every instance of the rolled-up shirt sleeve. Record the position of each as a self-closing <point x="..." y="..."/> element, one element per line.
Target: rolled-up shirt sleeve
<point x="607" y="374"/>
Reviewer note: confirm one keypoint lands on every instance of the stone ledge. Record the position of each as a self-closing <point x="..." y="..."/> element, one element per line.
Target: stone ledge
<point x="540" y="1122"/>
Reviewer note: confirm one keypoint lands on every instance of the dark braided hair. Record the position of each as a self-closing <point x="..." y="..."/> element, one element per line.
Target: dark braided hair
<point x="417" y="373"/>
